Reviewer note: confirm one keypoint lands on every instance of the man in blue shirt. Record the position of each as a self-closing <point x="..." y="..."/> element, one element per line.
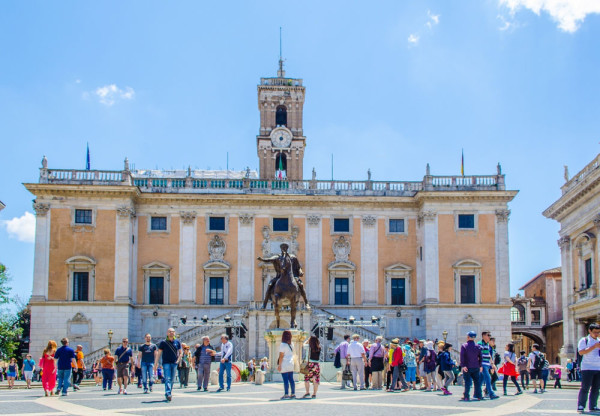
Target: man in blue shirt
<point x="27" y="370"/>
<point x="203" y="356"/>
<point x="170" y="350"/>
<point x="65" y="361"/>
<point x="123" y="354"/>
<point x="146" y="355"/>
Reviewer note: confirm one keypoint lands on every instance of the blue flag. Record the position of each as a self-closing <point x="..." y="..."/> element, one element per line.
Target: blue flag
<point x="87" y="162"/>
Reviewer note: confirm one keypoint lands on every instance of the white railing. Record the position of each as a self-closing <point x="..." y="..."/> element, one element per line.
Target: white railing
<point x="581" y="175"/>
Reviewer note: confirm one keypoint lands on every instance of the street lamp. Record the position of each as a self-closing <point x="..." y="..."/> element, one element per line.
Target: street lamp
<point x="110" y="334"/>
<point x="445" y="335"/>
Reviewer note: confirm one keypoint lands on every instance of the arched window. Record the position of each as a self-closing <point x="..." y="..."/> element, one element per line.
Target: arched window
<point x="280" y="166"/>
<point x="281" y="116"/>
<point x="517" y="313"/>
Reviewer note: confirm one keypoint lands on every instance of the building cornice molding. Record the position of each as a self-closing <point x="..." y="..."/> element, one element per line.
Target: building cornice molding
<point x="569" y="201"/>
<point x="106" y="191"/>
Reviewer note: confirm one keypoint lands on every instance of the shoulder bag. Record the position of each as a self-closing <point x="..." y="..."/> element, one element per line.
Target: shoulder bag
<point x="304" y="365"/>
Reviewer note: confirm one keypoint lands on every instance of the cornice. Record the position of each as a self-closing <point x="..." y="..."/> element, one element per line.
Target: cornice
<point x="566" y="203"/>
<point x="470" y="196"/>
<point x="109" y="191"/>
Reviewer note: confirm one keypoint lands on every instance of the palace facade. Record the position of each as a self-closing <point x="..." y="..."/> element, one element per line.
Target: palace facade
<point x="578" y="212"/>
<point x="133" y="251"/>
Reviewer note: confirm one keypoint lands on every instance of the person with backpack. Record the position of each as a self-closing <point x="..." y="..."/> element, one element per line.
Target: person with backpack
<point x="589" y="349"/>
<point x="535" y="362"/>
<point x="429" y="366"/>
<point x="545" y="372"/>
<point x="446" y="366"/>
<point x="487" y="364"/>
<point x="523" y="370"/>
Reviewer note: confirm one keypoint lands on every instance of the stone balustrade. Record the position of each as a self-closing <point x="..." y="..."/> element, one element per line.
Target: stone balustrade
<point x="168" y="183"/>
<point x="581" y="175"/>
<point x="295" y="82"/>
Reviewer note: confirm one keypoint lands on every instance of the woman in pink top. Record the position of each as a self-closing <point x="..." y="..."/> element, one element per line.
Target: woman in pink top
<point x="48" y="367"/>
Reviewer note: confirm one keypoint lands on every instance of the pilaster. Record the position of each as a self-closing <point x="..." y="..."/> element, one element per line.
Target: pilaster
<point x="245" y="263"/>
<point x="430" y="264"/>
<point x="124" y="253"/>
<point x="369" y="260"/>
<point x="314" y="259"/>
<point x="569" y="325"/>
<point x="42" y="251"/>
<point x="187" y="258"/>
<point x="502" y="262"/>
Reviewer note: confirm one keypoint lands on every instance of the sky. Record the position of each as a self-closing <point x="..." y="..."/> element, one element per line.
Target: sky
<point x="390" y="87"/>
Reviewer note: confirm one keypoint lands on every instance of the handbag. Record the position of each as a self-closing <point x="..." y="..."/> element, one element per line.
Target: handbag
<point x="304" y="365"/>
<point x="347" y="374"/>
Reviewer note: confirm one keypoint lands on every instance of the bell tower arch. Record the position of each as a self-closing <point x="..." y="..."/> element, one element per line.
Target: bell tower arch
<point x="280" y="142"/>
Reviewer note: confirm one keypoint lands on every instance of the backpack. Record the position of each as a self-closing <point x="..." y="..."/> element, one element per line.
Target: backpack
<point x="538" y="362"/>
<point x="497" y="359"/>
<point x="579" y="356"/>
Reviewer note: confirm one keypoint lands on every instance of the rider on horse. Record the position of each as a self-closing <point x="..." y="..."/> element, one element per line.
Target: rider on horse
<point x="296" y="269"/>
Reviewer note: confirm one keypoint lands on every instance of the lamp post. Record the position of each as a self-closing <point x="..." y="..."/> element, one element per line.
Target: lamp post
<point x="445" y="335"/>
<point x="110" y="334"/>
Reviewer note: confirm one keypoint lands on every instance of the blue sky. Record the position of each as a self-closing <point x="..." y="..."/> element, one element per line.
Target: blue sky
<point x="391" y="86"/>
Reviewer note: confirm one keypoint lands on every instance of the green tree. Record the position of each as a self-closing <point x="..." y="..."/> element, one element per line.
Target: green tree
<point x="10" y="331"/>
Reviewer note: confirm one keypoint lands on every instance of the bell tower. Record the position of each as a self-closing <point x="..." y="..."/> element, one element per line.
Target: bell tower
<point x="281" y="142"/>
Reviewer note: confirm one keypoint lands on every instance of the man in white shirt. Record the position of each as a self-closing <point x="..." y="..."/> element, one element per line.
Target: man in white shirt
<point x="589" y="349"/>
<point x="358" y="358"/>
<point x="535" y="372"/>
<point x="225" y="366"/>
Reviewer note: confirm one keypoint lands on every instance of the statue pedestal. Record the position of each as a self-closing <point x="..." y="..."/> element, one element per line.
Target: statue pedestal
<point x="273" y="338"/>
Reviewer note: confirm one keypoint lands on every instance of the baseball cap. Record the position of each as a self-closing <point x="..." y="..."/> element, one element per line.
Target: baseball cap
<point x="472" y="334"/>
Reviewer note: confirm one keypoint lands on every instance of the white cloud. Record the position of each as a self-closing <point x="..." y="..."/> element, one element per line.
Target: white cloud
<point x="110" y="94"/>
<point x="505" y="23"/>
<point x="434" y="19"/>
<point x="569" y="14"/>
<point x="413" y="39"/>
<point x="22" y="228"/>
<point x="77" y="81"/>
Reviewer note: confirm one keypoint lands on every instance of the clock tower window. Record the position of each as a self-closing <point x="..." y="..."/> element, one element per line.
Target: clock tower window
<point x="281" y="116"/>
<point x="280" y="166"/>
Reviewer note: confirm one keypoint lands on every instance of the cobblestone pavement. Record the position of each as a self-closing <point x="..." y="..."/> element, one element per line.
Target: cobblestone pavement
<point x="264" y="400"/>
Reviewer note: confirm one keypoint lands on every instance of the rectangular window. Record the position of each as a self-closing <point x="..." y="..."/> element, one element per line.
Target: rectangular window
<point x="467" y="289"/>
<point x="341" y="225"/>
<point x="157" y="290"/>
<point x="83" y="216"/>
<point x="466" y="221"/>
<point x="396" y="225"/>
<point x="589" y="280"/>
<point x="398" y="291"/>
<point x="281" y="225"/>
<point x="216" y="223"/>
<point x="341" y="291"/>
<point x="216" y="291"/>
<point x="81" y="286"/>
<point x="158" y="223"/>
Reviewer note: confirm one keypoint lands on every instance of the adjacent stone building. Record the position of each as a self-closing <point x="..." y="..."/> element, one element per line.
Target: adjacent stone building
<point x="537" y="315"/>
<point x="578" y="212"/>
<point x="131" y="251"/>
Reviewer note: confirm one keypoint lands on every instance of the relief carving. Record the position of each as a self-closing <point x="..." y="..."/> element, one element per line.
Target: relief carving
<point x="246" y="219"/>
<point x="341" y="249"/>
<point x="216" y="248"/>
<point x="188" y="217"/>
<point x="369" y="220"/>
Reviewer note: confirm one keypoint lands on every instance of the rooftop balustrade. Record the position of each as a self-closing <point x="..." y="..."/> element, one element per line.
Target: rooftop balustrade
<point x="198" y="182"/>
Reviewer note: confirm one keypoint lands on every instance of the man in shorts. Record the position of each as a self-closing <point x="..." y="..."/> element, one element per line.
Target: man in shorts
<point x="123" y="355"/>
<point x="535" y="371"/>
<point x="28" y="368"/>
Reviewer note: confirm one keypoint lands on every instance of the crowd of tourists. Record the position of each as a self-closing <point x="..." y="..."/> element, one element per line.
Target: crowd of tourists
<point x="426" y="365"/>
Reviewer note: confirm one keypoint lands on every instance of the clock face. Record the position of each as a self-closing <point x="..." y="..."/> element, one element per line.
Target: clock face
<point x="281" y="137"/>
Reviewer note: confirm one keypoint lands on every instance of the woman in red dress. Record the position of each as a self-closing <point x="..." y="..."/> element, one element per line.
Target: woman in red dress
<point x="509" y="368"/>
<point x="48" y="367"/>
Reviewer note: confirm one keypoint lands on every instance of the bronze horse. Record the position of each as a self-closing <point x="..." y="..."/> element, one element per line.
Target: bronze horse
<point x="285" y="291"/>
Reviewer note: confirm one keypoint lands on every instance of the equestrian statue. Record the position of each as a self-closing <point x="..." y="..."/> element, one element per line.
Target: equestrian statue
<point x="286" y="288"/>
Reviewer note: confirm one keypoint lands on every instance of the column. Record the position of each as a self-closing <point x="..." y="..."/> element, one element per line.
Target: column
<point x="314" y="259"/>
<point x="430" y="267"/>
<point x="42" y="252"/>
<point x="569" y="326"/>
<point x="502" y="264"/>
<point x="245" y="263"/>
<point x="187" y="258"/>
<point x="123" y="253"/>
<point x="369" y="260"/>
